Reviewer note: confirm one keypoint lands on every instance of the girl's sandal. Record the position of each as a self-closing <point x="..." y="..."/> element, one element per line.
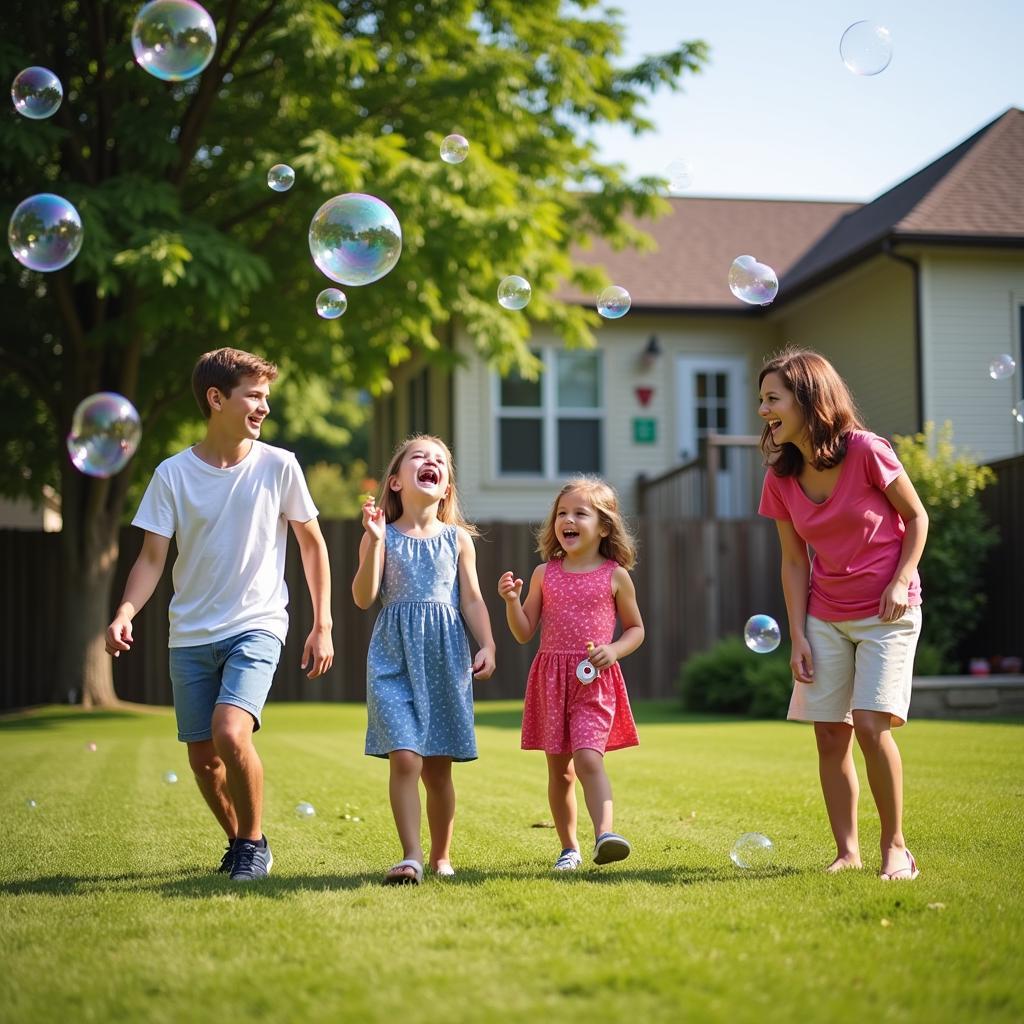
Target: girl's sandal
<point x="894" y="876"/>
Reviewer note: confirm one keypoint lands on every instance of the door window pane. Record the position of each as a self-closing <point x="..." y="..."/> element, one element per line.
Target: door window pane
<point x="579" y="446"/>
<point x="579" y="384"/>
<point x="520" y="446"/>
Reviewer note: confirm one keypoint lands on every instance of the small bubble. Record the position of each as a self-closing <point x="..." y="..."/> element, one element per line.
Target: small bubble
<point x="454" y="149"/>
<point x="514" y="292"/>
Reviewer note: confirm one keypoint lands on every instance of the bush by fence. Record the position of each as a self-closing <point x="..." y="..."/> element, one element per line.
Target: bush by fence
<point x="731" y="679"/>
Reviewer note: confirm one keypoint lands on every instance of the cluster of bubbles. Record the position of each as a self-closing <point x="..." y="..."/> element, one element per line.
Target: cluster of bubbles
<point x="45" y="232"/>
<point x="305" y="810"/>
<point x="866" y="48"/>
<point x="613" y="302"/>
<point x="173" y="40"/>
<point x="37" y="93"/>
<point x="280" y="177"/>
<point x="753" y="282"/>
<point x="514" y="292"/>
<point x="331" y="303"/>
<point x="454" y="149"/>
<point x="762" y="634"/>
<point x="752" y="850"/>
<point x="105" y="431"/>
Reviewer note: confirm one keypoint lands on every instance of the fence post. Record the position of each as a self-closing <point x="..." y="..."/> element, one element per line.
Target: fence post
<point x="641" y="493"/>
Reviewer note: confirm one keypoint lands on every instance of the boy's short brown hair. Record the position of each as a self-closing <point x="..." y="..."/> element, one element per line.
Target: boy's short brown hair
<point x="222" y="369"/>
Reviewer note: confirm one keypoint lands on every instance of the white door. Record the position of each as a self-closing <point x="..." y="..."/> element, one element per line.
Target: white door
<point x="712" y="398"/>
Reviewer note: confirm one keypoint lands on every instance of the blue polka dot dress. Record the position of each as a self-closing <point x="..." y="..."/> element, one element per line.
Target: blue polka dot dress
<point x="419" y="671"/>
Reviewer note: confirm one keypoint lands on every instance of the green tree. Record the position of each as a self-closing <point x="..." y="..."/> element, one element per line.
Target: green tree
<point x="186" y="248"/>
<point x="959" y="536"/>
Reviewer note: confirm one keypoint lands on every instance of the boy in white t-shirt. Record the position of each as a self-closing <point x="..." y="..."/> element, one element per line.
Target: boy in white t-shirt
<point x="228" y="502"/>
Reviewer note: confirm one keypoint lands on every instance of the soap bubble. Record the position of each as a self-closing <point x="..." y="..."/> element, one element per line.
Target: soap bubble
<point x="31" y="804"/>
<point x="514" y="292"/>
<point x="280" y="177"/>
<point x="752" y="282"/>
<point x="170" y="778"/>
<point x="454" y="149"/>
<point x="752" y="850"/>
<point x="105" y="431"/>
<point x="679" y="174"/>
<point x="37" y="93"/>
<point x="305" y="810"/>
<point x="866" y="48"/>
<point x="355" y="238"/>
<point x="173" y="39"/>
<point x="91" y="747"/>
<point x="1018" y="412"/>
<point x="45" y="232"/>
<point x="331" y="303"/>
<point x="761" y="634"/>
<point x="1002" y="367"/>
<point x="613" y="302"/>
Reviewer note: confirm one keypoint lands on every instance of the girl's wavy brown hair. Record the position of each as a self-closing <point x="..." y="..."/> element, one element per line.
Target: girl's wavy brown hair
<point x="830" y="412"/>
<point x="449" y="510"/>
<point x="619" y="545"/>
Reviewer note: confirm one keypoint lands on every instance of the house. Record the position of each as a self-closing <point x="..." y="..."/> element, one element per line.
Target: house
<point x="911" y="296"/>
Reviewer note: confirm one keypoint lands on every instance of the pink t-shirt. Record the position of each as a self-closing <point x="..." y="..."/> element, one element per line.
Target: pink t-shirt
<point x="855" y="533"/>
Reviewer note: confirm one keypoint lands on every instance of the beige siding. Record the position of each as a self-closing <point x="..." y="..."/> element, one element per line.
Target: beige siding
<point x="488" y="497"/>
<point x="971" y="313"/>
<point x="864" y="324"/>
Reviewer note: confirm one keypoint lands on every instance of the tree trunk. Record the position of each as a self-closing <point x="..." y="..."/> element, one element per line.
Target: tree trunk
<point x="89" y="543"/>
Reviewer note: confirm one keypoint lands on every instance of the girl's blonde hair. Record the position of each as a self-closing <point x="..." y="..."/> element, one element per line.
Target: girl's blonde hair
<point x="619" y="545"/>
<point x="448" y="511"/>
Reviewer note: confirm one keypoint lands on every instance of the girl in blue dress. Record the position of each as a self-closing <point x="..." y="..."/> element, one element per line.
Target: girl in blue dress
<point x="417" y="553"/>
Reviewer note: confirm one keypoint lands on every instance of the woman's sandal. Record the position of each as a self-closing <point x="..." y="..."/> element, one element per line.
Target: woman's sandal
<point x="891" y="876"/>
<point x="391" y="878"/>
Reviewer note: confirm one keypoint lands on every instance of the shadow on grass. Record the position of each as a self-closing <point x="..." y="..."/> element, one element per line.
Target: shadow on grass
<point x="50" y="717"/>
<point x="194" y="885"/>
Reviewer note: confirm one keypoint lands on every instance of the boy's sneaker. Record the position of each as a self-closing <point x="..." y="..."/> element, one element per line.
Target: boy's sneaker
<point x="568" y="860"/>
<point x="252" y="860"/>
<point x="610" y="846"/>
<point x="227" y="862"/>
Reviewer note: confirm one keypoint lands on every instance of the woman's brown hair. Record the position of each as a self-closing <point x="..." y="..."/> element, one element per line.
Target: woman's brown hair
<point x="448" y="511"/>
<point x="830" y="412"/>
<point x="619" y="545"/>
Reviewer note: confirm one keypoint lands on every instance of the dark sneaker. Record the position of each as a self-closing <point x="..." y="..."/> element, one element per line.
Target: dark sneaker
<point x="251" y="860"/>
<point x="227" y="862"/>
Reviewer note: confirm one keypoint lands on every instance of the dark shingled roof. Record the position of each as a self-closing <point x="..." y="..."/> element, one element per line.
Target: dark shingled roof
<point x="974" y="194"/>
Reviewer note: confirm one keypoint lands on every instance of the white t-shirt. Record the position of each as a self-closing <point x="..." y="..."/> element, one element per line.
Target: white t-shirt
<point x="231" y="528"/>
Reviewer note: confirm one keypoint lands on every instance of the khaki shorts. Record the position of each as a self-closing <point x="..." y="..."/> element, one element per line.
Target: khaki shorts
<point x="859" y="665"/>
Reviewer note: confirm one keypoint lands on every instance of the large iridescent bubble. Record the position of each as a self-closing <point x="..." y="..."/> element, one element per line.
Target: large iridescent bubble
<point x="105" y="431"/>
<point x="45" y="232"/>
<point x="613" y="302"/>
<point x="173" y="39"/>
<point x="36" y="93"/>
<point x="752" y="282"/>
<point x="355" y="238"/>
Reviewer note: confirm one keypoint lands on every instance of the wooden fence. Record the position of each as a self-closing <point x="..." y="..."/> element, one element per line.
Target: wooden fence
<point x="696" y="581"/>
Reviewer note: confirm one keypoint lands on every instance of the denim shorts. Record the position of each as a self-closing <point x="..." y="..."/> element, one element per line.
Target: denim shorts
<point x="237" y="670"/>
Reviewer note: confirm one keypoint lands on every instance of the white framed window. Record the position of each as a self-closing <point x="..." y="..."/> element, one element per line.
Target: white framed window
<point x="554" y="426"/>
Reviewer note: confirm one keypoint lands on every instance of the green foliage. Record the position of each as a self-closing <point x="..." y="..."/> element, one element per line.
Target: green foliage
<point x="959" y="536"/>
<point x="929" y="660"/>
<point x="731" y="679"/>
<point x="336" y="490"/>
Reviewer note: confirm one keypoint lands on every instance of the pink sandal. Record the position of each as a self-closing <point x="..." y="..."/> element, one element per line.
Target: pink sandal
<point x="890" y="876"/>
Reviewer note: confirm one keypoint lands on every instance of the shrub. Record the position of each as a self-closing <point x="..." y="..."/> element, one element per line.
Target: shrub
<point x="731" y="679"/>
<point x="959" y="535"/>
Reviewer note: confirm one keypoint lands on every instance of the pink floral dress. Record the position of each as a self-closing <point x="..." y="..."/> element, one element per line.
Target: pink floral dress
<point x="561" y="714"/>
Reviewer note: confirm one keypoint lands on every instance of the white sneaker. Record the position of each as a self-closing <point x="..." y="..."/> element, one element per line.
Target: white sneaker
<point x="568" y="860"/>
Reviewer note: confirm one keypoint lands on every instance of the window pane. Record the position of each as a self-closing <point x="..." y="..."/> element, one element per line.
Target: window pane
<point x="702" y="418"/>
<point x="579" y="446"/>
<point x="722" y="415"/>
<point x="579" y="380"/>
<point x="519" y="393"/>
<point x="702" y="385"/>
<point x="721" y="385"/>
<point x="519" y="446"/>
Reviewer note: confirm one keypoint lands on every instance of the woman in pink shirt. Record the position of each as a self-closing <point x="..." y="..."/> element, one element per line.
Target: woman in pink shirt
<point x="854" y="605"/>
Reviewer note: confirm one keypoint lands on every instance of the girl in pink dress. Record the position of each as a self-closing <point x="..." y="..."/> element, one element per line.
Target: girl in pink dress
<point x="576" y="704"/>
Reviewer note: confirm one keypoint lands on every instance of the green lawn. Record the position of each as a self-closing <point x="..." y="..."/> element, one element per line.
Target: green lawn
<point x="111" y="912"/>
